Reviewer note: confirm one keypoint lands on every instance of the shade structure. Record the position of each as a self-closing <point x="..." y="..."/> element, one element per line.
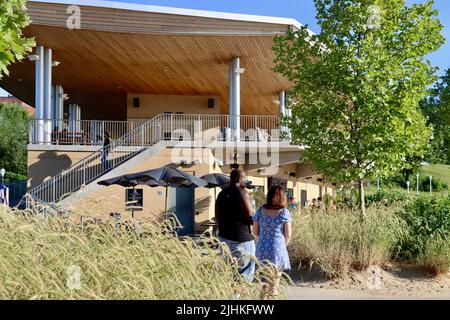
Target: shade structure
<point x="170" y="177"/>
<point x="216" y="180"/>
<point x="126" y="181"/>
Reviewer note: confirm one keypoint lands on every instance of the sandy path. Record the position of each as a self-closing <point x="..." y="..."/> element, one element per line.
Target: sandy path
<point x="408" y="282"/>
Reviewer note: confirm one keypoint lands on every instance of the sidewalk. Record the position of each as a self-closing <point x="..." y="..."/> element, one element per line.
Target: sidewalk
<point x="304" y="293"/>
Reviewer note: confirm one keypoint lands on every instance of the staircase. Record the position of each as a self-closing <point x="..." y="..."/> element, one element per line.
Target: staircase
<point x="91" y="168"/>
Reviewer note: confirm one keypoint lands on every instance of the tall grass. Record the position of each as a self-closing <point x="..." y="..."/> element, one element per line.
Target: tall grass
<point x="37" y="254"/>
<point x="338" y="242"/>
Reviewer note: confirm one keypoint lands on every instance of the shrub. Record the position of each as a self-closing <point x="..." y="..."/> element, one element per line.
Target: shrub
<point x="386" y="198"/>
<point x="338" y="241"/>
<point x="428" y="234"/>
<point x="437" y="185"/>
<point x="36" y="253"/>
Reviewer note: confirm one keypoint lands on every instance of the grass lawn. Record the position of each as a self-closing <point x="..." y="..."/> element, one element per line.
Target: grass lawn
<point x="440" y="171"/>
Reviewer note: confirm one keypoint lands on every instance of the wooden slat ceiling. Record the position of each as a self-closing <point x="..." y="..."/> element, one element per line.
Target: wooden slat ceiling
<point x="98" y="68"/>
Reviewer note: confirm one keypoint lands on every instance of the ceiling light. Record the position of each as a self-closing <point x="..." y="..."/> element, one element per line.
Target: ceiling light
<point x="55" y="63"/>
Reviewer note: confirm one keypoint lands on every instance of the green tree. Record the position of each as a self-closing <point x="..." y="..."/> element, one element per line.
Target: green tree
<point x="357" y="86"/>
<point x="13" y="45"/>
<point x="13" y="139"/>
<point x="436" y="109"/>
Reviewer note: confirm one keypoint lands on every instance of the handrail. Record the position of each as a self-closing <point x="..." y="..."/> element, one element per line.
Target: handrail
<point x="99" y="162"/>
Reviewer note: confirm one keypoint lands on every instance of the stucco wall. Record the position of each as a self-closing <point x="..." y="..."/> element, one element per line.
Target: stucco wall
<point x="152" y="105"/>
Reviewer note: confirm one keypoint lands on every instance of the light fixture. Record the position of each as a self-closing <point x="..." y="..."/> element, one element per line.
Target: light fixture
<point x="33" y="57"/>
<point x="277" y="102"/>
<point x="55" y="63"/>
<point x="65" y="96"/>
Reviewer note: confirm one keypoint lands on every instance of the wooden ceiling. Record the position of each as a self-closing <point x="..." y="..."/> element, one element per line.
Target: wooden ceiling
<point x="98" y="68"/>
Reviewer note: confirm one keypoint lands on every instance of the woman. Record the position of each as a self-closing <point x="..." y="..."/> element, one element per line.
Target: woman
<point x="272" y="226"/>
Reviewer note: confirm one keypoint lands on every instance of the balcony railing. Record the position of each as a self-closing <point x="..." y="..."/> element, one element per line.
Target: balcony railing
<point x="82" y="132"/>
<point x="174" y="127"/>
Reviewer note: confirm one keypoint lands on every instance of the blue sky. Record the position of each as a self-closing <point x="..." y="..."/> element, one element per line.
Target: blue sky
<point x="301" y="10"/>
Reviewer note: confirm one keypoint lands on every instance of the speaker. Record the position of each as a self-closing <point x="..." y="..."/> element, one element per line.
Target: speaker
<point x="136" y="102"/>
<point x="211" y="103"/>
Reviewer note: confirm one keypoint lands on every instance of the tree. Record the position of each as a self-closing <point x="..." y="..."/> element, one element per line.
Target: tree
<point x="356" y="86"/>
<point x="13" y="45"/>
<point x="436" y="109"/>
<point x="13" y="139"/>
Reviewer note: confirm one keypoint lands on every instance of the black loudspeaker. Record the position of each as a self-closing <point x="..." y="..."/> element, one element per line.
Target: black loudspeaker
<point x="211" y="103"/>
<point x="136" y="102"/>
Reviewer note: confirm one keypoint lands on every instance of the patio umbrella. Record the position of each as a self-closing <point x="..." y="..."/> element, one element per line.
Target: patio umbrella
<point x="215" y="180"/>
<point x="170" y="177"/>
<point x="127" y="182"/>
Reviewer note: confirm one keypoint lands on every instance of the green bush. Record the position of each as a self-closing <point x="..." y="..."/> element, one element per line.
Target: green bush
<point x="428" y="233"/>
<point x="386" y="197"/>
<point x="437" y="184"/>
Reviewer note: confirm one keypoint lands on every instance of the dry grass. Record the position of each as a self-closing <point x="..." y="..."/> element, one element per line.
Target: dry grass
<point x="36" y="254"/>
<point x="338" y="242"/>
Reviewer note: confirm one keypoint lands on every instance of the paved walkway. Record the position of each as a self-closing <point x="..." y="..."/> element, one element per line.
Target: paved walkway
<point x="305" y="293"/>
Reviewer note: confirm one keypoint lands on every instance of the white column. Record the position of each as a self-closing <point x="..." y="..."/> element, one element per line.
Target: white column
<point x="72" y="117"/>
<point x="288" y="115"/>
<point x="78" y="108"/>
<point x="282" y="99"/>
<point x="231" y="100"/>
<point x="47" y="95"/>
<point x="235" y="97"/>
<point x="59" y="107"/>
<point x="39" y="95"/>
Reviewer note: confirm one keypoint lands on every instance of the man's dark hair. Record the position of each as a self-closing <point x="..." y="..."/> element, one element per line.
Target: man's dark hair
<point x="235" y="175"/>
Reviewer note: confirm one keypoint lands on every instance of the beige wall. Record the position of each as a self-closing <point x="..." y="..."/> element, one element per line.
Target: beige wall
<point x="45" y="164"/>
<point x="112" y="199"/>
<point x="152" y="105"/>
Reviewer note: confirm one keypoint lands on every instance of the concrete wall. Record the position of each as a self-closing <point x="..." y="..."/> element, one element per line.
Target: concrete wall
<point x="152" y="105"/>
<point x="45" y="164"/>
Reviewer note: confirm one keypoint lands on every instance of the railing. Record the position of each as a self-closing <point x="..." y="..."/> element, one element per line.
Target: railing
<point x="99" y="162"/>
<point x="188" y="127"/>
<point x="17" y="189"/>
<point x="174" y="127"/>
<point x="81" y="132"/>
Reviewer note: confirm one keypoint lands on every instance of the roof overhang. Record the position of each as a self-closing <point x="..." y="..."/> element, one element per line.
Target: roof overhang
<point x="130" y="48"/>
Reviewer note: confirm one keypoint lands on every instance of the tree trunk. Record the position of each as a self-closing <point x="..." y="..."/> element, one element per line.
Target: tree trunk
<point x="362" y="201"/>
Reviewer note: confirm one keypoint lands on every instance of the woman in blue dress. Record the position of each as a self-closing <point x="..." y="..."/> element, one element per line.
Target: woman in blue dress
<point x="272" y="227"/>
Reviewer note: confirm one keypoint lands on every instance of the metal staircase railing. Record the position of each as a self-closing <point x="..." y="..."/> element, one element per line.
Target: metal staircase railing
<point x="92" y="167"/>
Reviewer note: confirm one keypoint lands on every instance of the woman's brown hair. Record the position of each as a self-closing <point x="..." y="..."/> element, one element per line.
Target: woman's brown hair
<point x="276" y="198"/>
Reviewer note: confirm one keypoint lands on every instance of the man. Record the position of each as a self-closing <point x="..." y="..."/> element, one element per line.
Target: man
<point x="106" y="149"/>
<point x="233" y="214"/>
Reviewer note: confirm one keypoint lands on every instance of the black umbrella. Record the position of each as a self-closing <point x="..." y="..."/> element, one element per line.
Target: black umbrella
<point x="170" y="177"/>
<point x="126" y="181"/>
<point x="215" y="180"/>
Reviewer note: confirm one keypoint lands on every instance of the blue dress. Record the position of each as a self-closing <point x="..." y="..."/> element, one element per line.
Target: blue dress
<point x="271" y="244"/>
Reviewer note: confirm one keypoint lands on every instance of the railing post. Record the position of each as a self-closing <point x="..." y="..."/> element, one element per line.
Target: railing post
<point x="171" y="126"/>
